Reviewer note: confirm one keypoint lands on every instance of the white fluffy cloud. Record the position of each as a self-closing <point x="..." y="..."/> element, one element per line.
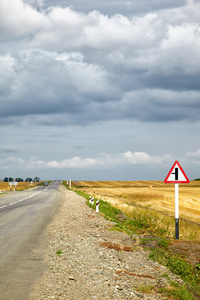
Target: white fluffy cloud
<point x="144" y="158"/>
<point x="103" y="160"/>
<point x="194" y="155"/>
<point x="18" y="19"/>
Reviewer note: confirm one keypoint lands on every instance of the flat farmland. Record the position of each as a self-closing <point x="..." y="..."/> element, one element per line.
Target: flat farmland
<point x="4" y="186"/>
<point x="152" y="197"/>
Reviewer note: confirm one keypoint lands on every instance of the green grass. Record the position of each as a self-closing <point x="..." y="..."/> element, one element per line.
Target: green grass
<point x="180" y="267"/>
<point x="105" y="208"/>
<point x="66" y="185"/>
<point x="147" y="289"/>
<point x="177" y="291"/>
<point x="158" y="247"/>
<point x="163" y="243"/>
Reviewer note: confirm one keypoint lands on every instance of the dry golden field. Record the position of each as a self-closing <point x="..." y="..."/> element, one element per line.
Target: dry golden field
<point x="4" y="186"/>
<point x="153" y="196"/>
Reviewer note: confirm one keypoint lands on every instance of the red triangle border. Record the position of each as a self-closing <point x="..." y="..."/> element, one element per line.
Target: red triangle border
<point x="177" y="181"/>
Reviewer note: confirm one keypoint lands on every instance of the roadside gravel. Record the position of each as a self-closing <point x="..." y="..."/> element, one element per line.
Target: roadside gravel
<point x="87" y="261"/>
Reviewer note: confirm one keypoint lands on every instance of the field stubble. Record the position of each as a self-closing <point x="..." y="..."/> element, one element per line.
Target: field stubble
<point x="152" y="198"/>
<point x="4" y="186"/>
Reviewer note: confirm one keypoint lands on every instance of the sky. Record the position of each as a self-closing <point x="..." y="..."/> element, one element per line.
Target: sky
<point x="99" y="90"/>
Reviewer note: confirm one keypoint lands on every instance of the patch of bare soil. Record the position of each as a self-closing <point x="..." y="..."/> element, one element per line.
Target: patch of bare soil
<point x="187" y="249"/>
<point x="116" y="247"/>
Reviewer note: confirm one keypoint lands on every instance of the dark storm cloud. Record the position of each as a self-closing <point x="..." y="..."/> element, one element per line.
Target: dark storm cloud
<point x="69" y="67"/>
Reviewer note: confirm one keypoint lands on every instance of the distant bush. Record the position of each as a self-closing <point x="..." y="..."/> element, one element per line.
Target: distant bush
<point x="197" y="179"/>
<point x="8" y="179"/>
<point x="19" y="179"/>
<point x="28" y="180"/>
<point x="36" y="179"/>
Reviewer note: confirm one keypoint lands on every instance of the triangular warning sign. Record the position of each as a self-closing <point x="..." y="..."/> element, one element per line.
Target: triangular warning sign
<point x="176" y="174"/>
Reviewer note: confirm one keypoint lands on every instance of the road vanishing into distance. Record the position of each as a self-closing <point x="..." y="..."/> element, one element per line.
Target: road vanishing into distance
<point x="24" y="217"/>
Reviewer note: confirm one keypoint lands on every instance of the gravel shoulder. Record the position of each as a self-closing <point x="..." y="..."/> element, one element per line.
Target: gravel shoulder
<point x="87" y="261"/>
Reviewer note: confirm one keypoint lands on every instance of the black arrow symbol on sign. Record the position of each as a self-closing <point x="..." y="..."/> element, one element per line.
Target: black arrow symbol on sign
<point x="176" y="173"/>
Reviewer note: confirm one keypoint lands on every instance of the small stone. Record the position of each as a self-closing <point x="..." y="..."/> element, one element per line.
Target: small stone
<point x="139" y="294"/>
<point x="118" y="287"/>
<point x="71" y="278"/>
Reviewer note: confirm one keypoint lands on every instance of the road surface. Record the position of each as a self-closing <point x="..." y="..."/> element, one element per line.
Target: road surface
<point x="23" y="219"/>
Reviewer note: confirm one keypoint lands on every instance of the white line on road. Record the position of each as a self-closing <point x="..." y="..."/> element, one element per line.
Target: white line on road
<point x="21" y="199"/>
<point x="13" y="203"/>
<point x="3" y="206"/>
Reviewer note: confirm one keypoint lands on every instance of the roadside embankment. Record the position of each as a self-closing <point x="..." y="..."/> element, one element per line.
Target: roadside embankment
<point x="86" y="260"/>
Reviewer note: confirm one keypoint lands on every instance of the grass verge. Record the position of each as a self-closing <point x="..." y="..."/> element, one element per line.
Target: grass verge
<point x="158" y="247"/>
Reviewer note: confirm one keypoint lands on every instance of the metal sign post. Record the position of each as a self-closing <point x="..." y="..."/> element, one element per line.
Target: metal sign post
<point x="176" y="175"/>
<point x="176" y="212"/>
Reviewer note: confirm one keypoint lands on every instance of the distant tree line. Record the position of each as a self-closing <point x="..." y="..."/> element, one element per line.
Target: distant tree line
<point x="18" y="179"/>
<point x="197" y="179"/>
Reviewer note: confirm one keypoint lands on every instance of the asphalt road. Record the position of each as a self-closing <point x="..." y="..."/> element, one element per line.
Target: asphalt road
<point x="24" y="217"/>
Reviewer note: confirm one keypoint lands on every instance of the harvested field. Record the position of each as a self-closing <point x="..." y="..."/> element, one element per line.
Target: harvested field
<point x="4" y="186"/>
<point x="154" y="196"/>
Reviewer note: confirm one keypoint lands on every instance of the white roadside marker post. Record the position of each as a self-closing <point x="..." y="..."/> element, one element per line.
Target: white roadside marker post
<point x="90" y="199"/>
<point x="176" y="175"/>
<point x="97" y="206"/>
<point x="70" y="184"/>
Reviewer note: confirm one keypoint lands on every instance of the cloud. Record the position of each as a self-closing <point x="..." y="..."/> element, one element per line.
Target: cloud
<point x="115" y="6"/>
<point x="6" y="150"/>
<point x="136" y="158"/>
<point x="10" y="162"/>
<point x="69" y="67"/>
<point x="194" y="155"/>
<point x="35" y="2"/>
<point x="76" y="162"/>
<point x="19" y="19"/>
<point x="159" y="106"/>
